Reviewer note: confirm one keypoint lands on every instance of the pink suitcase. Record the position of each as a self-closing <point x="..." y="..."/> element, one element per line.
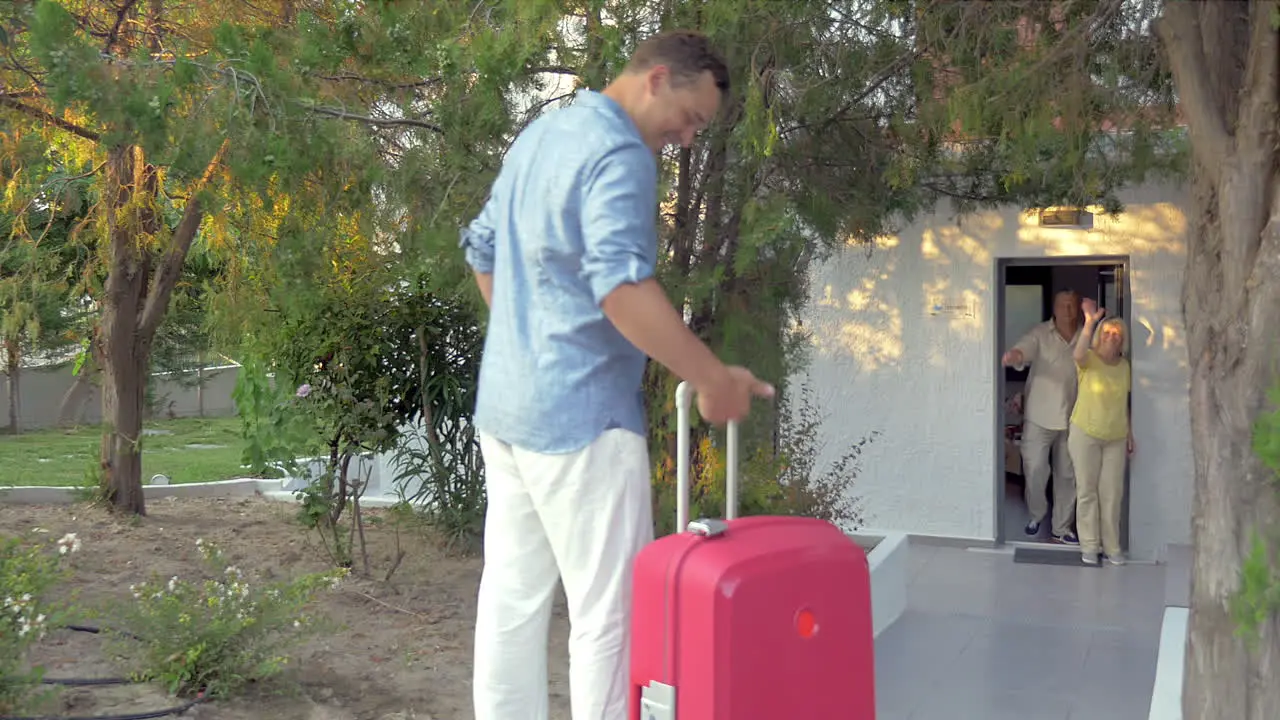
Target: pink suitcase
<point x="758" y="618"/>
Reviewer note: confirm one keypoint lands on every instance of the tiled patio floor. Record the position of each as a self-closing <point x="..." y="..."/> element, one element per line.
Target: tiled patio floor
<point x="985" y="639"/>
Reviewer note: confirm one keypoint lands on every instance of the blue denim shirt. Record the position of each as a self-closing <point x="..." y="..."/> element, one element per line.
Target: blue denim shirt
<point x="571" y="216"/>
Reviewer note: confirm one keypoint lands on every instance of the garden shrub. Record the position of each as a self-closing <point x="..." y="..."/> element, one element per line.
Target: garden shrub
<point x="370" y="364"/>
<point x="28" y="573"/>
<point x="214" y="634"/>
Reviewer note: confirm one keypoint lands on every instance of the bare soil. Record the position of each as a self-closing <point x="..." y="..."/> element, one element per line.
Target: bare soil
<point x="400" y="650"/>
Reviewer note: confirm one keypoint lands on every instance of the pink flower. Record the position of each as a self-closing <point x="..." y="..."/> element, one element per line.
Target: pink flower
<point x="303" y="390"/>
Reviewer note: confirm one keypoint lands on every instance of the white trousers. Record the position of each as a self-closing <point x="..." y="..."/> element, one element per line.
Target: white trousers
<point x="579" y="518"/>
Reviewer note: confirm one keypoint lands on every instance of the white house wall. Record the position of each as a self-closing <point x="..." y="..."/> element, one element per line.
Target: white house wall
<point x="880" y="361"/>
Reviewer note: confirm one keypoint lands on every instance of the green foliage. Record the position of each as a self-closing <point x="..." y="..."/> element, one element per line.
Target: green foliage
<point x="786" y="482"/>
<point x="216" y="633"/>
<point x="29" y="573"/>
<point x="1036" y="103"/>
<point x="440" y="471"/>
<point x="184" y="343"/>
<point x="39" y="266"/>
<point x="1266" y="433"/>
<point x="270" y="432"/>
<point x="330" y="125"/>
<point x="1258" y="597"/>
<point x="368" y="355"/>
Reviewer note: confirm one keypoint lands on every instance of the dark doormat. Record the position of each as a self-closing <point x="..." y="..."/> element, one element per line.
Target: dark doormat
<point x="1046" y="556"/>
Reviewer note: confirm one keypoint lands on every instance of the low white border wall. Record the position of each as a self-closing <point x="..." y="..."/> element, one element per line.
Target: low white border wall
<point x="39" y="495"/>
<point x="1166" y="693"/>
<point x="272" y="489"/>
<point x="890" y="563"/>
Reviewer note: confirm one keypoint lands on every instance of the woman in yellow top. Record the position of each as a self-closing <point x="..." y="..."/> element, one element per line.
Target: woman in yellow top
<point x="1101" y="436"/>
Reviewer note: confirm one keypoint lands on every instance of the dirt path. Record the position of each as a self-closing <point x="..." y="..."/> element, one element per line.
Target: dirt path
<point x="401" y="650"/>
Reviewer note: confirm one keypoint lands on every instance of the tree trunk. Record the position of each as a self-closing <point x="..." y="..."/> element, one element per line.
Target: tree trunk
<point x="1231" y="302"/>
<point x="125" y="353"/>
<point x="13" y="371"/>
<point x="1235" y="494"/>
<point x="134" y="305"/>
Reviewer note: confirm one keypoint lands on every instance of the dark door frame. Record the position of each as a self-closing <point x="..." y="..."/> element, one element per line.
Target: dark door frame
<point x="999" y="342"/>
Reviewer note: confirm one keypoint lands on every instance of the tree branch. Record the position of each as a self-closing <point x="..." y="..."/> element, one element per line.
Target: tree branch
<point x="388" y="84"/>
<point x="1256" y="128"/>
<point x="553" y="70"/>
<point x="176" y="256"/>
<point x="114" y="35"/>
<point x="1179" y="31"/>
<point x="50" y="118"/>
<point x="379" y="122"/>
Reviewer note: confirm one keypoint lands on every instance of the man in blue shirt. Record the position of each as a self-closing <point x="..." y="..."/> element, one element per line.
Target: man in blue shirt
<point x="564" y="252"/>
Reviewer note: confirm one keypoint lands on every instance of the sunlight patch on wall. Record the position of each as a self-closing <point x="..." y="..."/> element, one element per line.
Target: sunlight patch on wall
<point x="1140" y="229"/>
<point x="929" y="246"/>
<point x="1162" y="334"/>
<point x="983" y="223"/>
<point x="886" y="242"/>
<point x="861" y="326"/>
<point x="873" y="347"/>
<point x="950" y="244"/>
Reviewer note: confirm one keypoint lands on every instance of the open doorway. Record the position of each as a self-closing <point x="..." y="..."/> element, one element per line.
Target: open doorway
<point x="1026" y="289"/>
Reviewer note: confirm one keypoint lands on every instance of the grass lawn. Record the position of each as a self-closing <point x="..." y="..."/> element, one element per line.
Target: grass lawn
<point x="187" y="450"/>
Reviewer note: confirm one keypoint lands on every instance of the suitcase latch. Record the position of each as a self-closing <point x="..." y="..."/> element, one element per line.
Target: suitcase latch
<point x="657" y="702"/>
<point x="707" y="527"/>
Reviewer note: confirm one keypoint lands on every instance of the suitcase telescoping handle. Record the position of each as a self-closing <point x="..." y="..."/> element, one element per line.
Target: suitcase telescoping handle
<point x="684" y="401"/>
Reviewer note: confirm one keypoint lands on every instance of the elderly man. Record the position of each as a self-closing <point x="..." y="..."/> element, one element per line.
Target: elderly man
<point x="1050" y="396"/>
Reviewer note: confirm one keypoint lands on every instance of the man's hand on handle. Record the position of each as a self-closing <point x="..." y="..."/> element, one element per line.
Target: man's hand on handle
<point x="728" y="396"/>
<point x="1013" y="358"/>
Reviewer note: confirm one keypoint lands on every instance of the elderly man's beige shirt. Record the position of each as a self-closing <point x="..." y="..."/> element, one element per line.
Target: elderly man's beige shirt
<point x="1051" y="386"/>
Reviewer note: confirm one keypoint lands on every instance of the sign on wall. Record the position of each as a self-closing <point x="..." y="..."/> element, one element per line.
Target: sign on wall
<point x="953" y="307"/>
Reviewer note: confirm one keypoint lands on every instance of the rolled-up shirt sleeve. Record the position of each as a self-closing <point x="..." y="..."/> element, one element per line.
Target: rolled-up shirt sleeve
<point x="619" y="219"/>
<point x="1029" y="345"/>
<point x="477" y="240"/>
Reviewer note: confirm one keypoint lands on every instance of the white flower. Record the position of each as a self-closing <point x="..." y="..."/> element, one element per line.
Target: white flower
<point x="68" y="543"/>
<point x="297" y="624"/>
<point x="173" y="583"/>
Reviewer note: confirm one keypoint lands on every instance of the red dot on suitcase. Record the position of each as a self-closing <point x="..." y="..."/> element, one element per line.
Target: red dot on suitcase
<point x="806" y="624"/>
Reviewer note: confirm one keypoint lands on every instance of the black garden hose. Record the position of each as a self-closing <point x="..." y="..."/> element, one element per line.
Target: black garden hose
<point x="176" y="710"/>
<point x="98" y="682"/>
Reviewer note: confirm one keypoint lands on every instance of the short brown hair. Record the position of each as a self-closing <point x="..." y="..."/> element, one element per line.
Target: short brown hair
<point x="686" y="53"/>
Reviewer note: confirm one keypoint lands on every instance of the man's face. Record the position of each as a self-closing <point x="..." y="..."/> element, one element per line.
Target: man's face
<point x="674" y="114"/>
<point x="1066" y="307"/>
